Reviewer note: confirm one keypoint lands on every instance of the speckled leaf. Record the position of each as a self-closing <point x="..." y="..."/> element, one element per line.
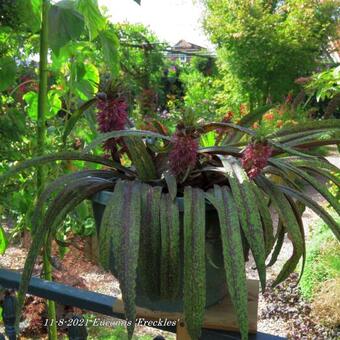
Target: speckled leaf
<point x="298" y="209"/>
<point x="65" y="201"/>
<point x="61" y="156"/>
<point x="171" y="183"/>
<point x="280" y="235"/>
<point x="288" y="218"/>
<point x="322" y="163"/>
<point x="126" y="222"/>
<point x="307" y="126"/>
<point x="64" y="181"/>
<point x="267" y="221"/>
<point x="248" y="211"/>
<point x="150" y="240"/>
<point x="328" y="219"/>
<point x="105" y="231"/>
<point x="321" y="188"/>
<point x="170" y="269"/>
<point x="140" y="158"/>
<point x="234" y="262"/>
<point x="194" y="260"/>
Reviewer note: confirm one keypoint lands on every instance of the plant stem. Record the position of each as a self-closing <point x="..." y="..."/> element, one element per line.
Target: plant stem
<point x="41" y="136"/>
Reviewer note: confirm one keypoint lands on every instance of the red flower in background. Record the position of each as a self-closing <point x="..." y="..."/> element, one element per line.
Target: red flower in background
<point x="268" y="116"/>
<point x="255" y="158"/>
<point x="243" y="109"/>
<point x="183" y="154"/>
<point x="279" y="123"/>
<point x="226" y="119"/>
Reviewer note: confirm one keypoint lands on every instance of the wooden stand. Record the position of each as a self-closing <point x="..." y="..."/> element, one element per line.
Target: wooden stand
<point x="219" y="317"/>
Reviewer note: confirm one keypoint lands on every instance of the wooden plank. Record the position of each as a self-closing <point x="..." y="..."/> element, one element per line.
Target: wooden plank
<point x="182" y="332"/>
<point x="220" y="316"/>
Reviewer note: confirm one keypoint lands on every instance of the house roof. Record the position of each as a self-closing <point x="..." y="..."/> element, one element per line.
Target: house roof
<point x="185" y="45"/>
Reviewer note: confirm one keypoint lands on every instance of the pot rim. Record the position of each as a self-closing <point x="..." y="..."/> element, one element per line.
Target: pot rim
<point x="102" y="197"/>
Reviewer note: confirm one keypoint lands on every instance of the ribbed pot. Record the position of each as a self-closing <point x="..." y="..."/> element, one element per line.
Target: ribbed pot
<point x="215" y="274"/>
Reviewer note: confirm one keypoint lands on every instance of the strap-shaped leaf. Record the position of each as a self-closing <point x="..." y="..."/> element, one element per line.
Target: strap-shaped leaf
<point x="64" y="181"/>
<point x="320" y="167"/>
<point x="234" y="263"/>
<point x="267" y="221"/>
<point x="286" y="149"/>
<point x="63" y="156"/>
<point x="248" y="212"/>
<point x="320" y="163"/>
<point x="105" y="233"/>
<point x="54" y="215"/>
<point x="170" y="274"/>
<point x="284" y="175"/>
<point x="150" y="240"/>
<point x="311" y="180"/>
<point x="171" y="183"/>
<point x="126" y="222"/>
<point x="194" y="260"/>
<point x="76" y="115"/>
<point x="328" y="219"/>
<point x="298" y="135"/>
<point x="141" y="159"/>
<point x="298" y="209"/>
<point x="326" y="174"/>
<point x="280" y="235"/>
<point x="125" y="133"/>
<point x="221" y="150"/>
<point x="307" y="126"/>
<point x="288" y="218"/>
<point x="315" y="138"/>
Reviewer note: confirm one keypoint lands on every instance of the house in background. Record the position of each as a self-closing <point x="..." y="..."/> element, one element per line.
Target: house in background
<point x="186" y="48"/>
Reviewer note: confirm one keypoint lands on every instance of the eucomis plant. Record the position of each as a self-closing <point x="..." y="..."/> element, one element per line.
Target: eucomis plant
<point x="245" y="179"/>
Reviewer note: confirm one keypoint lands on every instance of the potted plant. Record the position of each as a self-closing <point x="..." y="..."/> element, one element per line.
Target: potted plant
<point x="176" y="222"/>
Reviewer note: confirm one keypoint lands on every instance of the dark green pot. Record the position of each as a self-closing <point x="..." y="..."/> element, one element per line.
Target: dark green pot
<point x="215" y="274"/>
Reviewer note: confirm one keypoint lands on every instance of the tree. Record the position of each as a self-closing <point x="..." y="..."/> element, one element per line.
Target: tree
<point x="263" y="46"/>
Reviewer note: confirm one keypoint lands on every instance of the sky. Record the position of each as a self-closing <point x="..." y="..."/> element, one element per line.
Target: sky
<point x="171" y="20"/>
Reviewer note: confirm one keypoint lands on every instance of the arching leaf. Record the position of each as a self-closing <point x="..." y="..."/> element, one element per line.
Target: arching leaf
<point x="303" y="198"/>
<point x="54" y="215"/>
<point x="311" y="180"/>
<point x="170" y="271"/>
<point x="150" y="240"/>
<point x="125" y="224"/>
<point x="77" y="114"/>
<point x="60" y="156"/>
<point x="290" y="223"/>
<point x="234" y="263"/>
<point x="248" y="211"/>
<point x="194" y="260"/>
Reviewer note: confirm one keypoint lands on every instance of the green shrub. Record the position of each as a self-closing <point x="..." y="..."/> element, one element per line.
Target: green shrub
<point x="322" y="262"/>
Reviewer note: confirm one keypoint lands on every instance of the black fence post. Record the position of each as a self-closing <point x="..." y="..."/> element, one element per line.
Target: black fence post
<point x="8" y="315"/>
<point x="77" y="329"/>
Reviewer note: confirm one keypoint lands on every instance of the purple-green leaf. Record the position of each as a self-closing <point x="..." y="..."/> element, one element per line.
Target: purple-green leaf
<point x="194" y="260"/>
<point x="170" y="260"/>
<point x="234" y="262"/>
<point x="126" y="223"/>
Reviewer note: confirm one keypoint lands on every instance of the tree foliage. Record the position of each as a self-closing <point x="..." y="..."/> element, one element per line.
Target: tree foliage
<point x="263" y="46"/>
